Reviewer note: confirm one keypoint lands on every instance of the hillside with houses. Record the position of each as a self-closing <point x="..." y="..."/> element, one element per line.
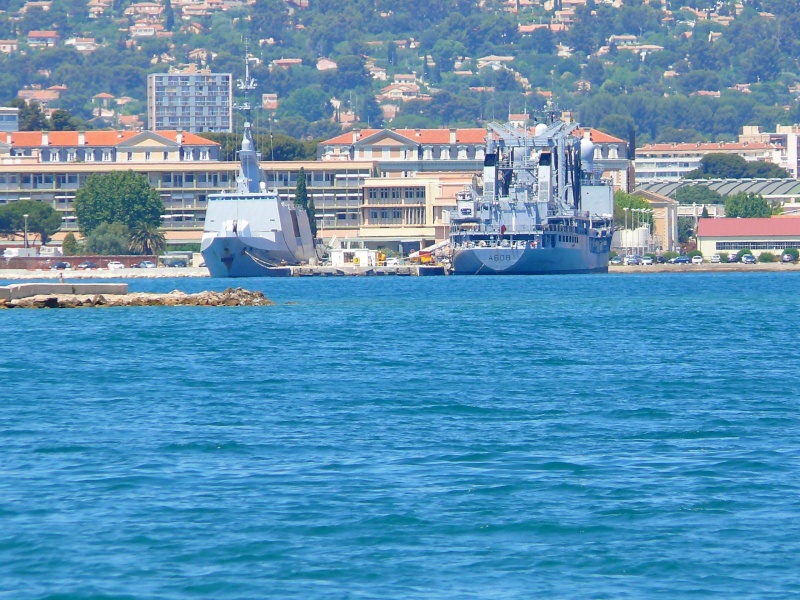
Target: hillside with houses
<point x="677" y="71"/>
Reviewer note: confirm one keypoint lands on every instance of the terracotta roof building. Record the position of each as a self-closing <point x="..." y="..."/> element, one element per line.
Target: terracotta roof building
<point x="409" y="148"/>
<point x="110" y="146"/>
<point x="717" y="236"/>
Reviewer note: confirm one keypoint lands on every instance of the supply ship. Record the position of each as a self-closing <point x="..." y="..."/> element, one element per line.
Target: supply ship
<point x="249" y="231"/>
<point x="542" y="210"/>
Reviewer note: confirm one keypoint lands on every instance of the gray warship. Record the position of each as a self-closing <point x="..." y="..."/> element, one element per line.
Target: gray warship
<point x="542" y="210"/>
<point x="250" y="231"/>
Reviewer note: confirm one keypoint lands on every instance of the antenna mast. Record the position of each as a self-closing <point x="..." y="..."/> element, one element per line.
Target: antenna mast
<point x="245" y="85"/>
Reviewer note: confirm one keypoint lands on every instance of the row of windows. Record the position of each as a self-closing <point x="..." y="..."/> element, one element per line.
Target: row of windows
<point x="762" y="245"/>
<point x="397" y="193"/>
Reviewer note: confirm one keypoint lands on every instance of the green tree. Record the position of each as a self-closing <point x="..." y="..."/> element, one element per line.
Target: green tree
<point x="767" y="257"/>
<point x="31" y="117"/>
<point x="61" y="120"/>
<point x="685" y="229"/>
<point x="310" y="103"/>
<point x="43" y="220"/>
<point x="793" y="252"/>
<point x="312" y="216"/>
<point x="118" y="196"/>
<point x="747" y="205"/>
<point x="741" y="253"/>
<point x="145" y="238"/>
<point x="169" y="16"/>
<point x="300" y="191"/>
<point x="108" y="239"/>
<point x="629" y="201"/>
<point x="719" y="166"/>
<point x="697" y="194"/>
<point x="70" y="246"/>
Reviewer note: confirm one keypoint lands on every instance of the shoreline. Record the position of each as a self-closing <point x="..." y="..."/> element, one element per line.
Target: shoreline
<point x="706" y="268"/>
<point x="72" y="275"/>
<point x="202" y="272"/>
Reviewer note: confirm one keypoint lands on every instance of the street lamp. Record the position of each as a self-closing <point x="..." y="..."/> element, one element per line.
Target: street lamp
<point x="26" y="230"/>
<point x="626" y="209"/>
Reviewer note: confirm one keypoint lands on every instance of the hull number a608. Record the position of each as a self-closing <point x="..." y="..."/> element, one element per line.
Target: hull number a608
<point x="499" y="257"/>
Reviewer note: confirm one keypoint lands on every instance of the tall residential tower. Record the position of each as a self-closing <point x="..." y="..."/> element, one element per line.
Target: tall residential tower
<point x="190" y="100"/>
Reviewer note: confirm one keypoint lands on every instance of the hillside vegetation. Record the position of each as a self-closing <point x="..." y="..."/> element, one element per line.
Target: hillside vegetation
<point x="698" y="71"/>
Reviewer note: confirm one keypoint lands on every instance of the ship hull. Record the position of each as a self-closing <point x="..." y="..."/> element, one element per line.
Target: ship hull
<point x="528" y="261"/>
<point x="247" y="257"/>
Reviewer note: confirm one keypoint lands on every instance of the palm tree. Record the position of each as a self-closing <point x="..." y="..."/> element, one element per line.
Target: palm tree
<point x="147" y="239"/>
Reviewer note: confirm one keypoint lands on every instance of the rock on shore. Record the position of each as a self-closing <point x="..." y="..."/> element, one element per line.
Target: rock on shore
<point x="228" y="297"/>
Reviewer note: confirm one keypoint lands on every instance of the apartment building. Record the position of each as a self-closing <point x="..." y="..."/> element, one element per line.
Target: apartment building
<point x="192" y="100"/>
<point x="672" y="161"/>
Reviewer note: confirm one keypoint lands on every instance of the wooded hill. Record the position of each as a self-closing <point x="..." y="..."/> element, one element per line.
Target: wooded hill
<point x="698" y="71"/>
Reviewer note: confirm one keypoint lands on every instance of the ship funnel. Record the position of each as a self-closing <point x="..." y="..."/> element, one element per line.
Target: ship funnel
<point x="540" y="130"/>
<point x="587" y="155"/>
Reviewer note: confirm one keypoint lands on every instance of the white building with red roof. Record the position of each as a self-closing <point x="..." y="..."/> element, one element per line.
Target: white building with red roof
<point x="671" y="161"/>
<point x="110" y="146"/>
<point x="718" y="236"/>
<point x="409" y="147"/>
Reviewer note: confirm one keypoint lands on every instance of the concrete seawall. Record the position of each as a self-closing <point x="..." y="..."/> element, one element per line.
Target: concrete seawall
<point x="26" y="290"/>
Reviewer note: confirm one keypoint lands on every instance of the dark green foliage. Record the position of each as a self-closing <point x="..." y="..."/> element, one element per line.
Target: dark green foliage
<point x="767" y="257"/>
<point x="43" y="219"/>
<point x="623" y="201"/>
<point x="147" y="239"/>
<point x="283" y="147"/>
<point x="31" y="117"/>
<point x="300" y="191"/>
<point x="741" y="253"/>
<point x="70" y="246"/>
<point x="117" y="197"/>
<point x="108" y="239"/>
<point x="793" y="252"/>
<point x="692" y="253"/>
<point x="685" y="229"/>
<point x="697" y="194"/>
<point x="747" y="206"/>
<point x="732" y="166"/>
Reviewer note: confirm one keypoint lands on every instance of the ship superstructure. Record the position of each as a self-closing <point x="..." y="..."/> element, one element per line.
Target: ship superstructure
<point x="542" y="208"/>
<point x="249" y="231"/>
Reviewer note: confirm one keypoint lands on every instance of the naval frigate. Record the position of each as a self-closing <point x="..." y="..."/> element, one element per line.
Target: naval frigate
<point x="542" y="210"/>
<point x="250" y="231"/>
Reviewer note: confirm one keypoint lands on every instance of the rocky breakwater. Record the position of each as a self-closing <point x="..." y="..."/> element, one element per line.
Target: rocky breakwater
<point x="228" y="297"/>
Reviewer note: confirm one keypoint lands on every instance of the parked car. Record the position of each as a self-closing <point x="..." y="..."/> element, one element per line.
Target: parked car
<point x="146" y="264"/>
<point x="59" y="266"/>
<point x="647" y="260"/>
<point x="733" y="257"/>
<point x="633" y="259"/>
<point x="87" y="265"/>
<point x="697" y="260"/>
<point x="115" y="264"/>
<point x="716" y="258"/>
<point x="616" y="260"/>
<point x="177" y="263"/>
<point x="749" y="259"/>
<point x="787" y="258"/>
<point x="680" y="260"/>
<point x="660" y="260"/>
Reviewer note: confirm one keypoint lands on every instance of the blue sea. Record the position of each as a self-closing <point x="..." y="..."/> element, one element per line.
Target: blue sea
<point x="605" y="436"/>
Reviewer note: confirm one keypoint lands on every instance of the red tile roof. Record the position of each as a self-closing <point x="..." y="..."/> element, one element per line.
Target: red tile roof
<point x="789" y="226"/>
<point x="708" y="146"/>
<point x="33" y="139"/>
<point x="598" y="136"/>
<point x="426" y="136"/>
